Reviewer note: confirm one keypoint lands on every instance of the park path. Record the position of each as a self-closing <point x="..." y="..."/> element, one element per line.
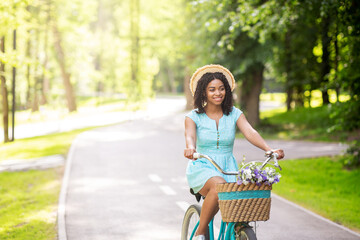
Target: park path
<point x="127" y="181"/>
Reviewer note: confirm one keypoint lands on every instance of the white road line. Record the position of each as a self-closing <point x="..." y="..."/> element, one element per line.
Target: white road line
<point x="167" y="190"/>
<point x="183" y="205"/>
<point x="63" y="192"/>
<point x="155" y="178"/>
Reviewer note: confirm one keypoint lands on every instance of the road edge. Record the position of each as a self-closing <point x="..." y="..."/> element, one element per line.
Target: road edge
<point x="63" y="193"/>
<point x="314" y="214"/>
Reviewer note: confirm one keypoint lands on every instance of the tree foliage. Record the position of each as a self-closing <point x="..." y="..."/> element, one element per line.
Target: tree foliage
<point x="68" y="49"/>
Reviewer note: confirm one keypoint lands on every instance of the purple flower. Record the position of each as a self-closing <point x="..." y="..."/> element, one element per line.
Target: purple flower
<point x="276" y="179"/>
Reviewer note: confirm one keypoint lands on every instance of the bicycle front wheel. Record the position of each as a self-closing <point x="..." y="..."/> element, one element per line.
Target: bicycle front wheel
<point x="190" y="222"/>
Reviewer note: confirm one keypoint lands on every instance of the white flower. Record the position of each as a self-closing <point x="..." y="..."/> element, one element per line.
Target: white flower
<point x="247" y="173"/>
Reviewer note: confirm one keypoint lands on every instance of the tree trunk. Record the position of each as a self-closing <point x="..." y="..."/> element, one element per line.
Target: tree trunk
<point x="189" y="98"/>
<point x="135" y="46"/>
<point x="65" y="75"/>
<point x="4" y="93"/>
<point x="13" y="92"/>
<point x="100" y="27"/>
<point x="45" y="83"/>
<point x="250" y="95"/>
<point x="289" y="97"/>
<point x="336" y="62"/>
<point x="299" y="96"/>
<point x="35" y="99"/>
<point x="325" y="64"/>
<point x="28" y="73"/>
<point x="288" y="84"/>
<point x="171" y="79"/>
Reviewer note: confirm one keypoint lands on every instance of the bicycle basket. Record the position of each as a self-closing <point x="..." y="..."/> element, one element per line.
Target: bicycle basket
<point x="244" y="203"/>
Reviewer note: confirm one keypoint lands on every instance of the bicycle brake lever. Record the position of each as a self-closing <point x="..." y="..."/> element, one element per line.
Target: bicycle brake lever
<point x="276" y="163"/>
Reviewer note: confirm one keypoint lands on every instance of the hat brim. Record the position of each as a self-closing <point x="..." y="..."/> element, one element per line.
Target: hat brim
<point x="211" y="68"/>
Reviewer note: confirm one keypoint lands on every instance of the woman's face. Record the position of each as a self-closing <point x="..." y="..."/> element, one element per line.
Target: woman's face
<point x="215" y="92"/>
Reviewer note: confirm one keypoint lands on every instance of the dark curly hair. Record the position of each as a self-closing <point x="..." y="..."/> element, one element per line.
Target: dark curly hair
<point x="200" y="92"/>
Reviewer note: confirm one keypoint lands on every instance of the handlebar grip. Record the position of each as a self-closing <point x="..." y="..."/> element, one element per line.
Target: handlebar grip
<point x="196" y="155"/>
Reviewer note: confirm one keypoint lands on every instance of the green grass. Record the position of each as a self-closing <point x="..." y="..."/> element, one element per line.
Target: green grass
<point x="306" y="123"/>
<point x="300" y="124"/>
<point x="324" y="187"/>
<point x="57" y="143"/>
<point x="28" y="204"/>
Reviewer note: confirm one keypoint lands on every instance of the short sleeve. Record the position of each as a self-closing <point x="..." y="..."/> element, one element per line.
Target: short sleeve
<point x="193" y="116"/>
<point x="236" y="113"/>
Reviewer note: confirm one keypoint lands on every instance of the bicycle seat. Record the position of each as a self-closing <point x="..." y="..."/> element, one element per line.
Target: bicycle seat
<point x="198" y="196"/>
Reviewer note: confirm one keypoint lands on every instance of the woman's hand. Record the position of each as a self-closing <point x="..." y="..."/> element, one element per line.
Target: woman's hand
<point x="279" y="152"/>
<point x="189" y="152"/>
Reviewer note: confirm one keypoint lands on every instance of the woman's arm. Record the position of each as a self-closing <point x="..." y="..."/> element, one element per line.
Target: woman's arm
<point x="190" y="138"/>
<point x="254" y="137"/>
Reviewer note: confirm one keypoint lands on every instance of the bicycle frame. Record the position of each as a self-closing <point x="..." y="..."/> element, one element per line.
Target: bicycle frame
<point x="226" y="229"/>
<point x="270" y="156"/>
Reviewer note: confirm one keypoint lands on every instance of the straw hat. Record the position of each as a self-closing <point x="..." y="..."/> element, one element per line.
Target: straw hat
<point x="212" y="68"/>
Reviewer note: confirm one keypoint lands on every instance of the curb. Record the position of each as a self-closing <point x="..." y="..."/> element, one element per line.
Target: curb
<point x="45" y="162"/>
<point x="315" y="215"/>
<point x="63" y="193"/>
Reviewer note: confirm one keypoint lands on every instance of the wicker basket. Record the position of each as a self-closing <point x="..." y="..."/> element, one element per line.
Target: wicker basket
<point x="246" y="203"/>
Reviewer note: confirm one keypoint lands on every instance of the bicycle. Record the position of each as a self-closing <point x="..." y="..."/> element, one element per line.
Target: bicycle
<point x="228" y="230"/>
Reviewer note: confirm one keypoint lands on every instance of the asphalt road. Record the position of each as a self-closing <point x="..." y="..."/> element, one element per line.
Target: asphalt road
<point x="128" y="182"/>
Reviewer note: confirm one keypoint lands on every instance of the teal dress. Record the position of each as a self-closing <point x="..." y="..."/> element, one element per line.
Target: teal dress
<point x="215" y="142"/>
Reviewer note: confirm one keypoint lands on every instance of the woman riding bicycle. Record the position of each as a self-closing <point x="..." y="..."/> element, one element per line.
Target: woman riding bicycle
<point x="210" y="129"/>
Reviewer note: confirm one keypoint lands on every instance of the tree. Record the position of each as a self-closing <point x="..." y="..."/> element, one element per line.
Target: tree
<point x="233" y="46"/>
<point x="4" y="95"/>
<point x="70" y="97"/>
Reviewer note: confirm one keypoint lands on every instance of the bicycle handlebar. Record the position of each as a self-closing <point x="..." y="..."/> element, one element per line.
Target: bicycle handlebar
<point x="199" y="155"/>
<point x="269" y="155"/>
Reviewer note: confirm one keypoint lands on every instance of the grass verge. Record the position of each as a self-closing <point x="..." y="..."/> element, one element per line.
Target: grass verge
<point x="28" y="204"/>
<point x="57" y="143"/>
<point x="324" y="187"/>
<point x="28" y="200"/>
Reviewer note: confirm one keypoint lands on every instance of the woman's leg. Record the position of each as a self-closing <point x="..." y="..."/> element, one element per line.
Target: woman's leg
<point x="210" y="206"/>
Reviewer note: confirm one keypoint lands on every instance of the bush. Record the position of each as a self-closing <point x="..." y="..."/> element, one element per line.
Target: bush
<point x="346" y="115"/>
<point x="347" y="118"/>
<point x="352" y="157"/>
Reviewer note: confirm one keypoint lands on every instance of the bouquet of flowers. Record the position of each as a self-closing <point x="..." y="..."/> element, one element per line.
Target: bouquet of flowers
<point x="252" y="173"/>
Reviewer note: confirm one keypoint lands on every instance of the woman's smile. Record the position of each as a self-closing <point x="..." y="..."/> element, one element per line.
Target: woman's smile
<point x="218" y="99"/>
